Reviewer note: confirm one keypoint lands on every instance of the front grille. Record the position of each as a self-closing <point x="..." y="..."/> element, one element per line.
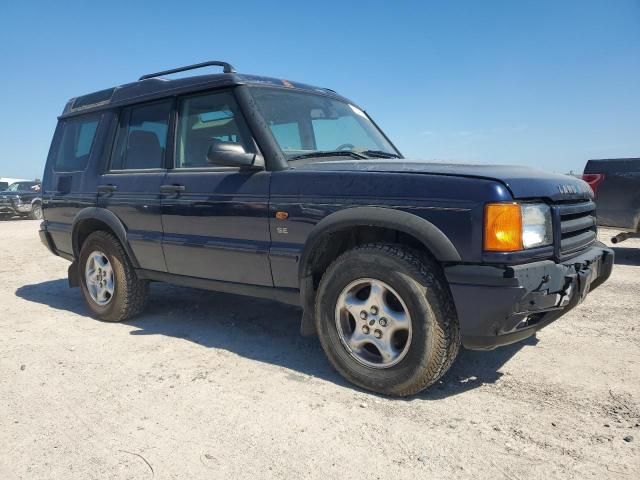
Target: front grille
<point x="577" y="226"/>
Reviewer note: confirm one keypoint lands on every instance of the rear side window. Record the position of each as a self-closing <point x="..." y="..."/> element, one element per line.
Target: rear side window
<point x="142" y="137"/>
<point x="75" y="144"/>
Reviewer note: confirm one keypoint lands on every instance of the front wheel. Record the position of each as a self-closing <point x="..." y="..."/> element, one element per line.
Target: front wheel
<point x="108" y="281"/>
<point x="36" y="212"/>
<point x="385" y="318"/>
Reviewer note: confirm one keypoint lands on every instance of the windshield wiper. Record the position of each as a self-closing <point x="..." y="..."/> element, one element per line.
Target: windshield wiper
<point x="380" y="154"/>
<point x="330" y="153"/>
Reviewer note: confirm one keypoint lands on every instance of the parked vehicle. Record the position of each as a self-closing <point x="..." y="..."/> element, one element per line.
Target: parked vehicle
<point x="22" y="199"/>
<point x="6" y="181"/>
<point x="616" y="185"/>
<point x="276" y="189"/>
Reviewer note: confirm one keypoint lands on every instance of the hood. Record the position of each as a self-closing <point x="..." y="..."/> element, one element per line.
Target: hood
<point x="522" y="182"/>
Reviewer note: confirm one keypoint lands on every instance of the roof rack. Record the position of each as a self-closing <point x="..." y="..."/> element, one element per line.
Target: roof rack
<point x="226" y="68"/>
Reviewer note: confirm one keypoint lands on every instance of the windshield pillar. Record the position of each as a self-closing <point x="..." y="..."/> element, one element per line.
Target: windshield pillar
<point x="273" y="156"/>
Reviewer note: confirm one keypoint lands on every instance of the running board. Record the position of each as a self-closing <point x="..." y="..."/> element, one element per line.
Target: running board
<point x="290" y="296"/>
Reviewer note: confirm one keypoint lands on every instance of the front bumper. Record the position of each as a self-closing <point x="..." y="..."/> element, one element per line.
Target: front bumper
<point x="8" y="210"/>
<point x="15" y="209"/>
<point x="502" y="305"/>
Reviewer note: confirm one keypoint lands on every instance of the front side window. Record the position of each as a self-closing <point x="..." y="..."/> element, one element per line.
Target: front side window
<point x="303" y="123"/>
<point x="76" y="140"/>
<point x="205" y="120"/>
<point x="142" y="137"/>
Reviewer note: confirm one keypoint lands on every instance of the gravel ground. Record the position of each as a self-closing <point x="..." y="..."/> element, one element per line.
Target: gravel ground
<point x="206" y="385"/>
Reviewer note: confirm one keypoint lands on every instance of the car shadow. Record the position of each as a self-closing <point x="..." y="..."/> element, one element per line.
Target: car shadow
<point x="627" y="256"/>
<point x="261" y="330"/>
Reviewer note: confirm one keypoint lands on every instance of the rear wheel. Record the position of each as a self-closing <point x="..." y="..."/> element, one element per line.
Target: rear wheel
<point x="108" y="281"/>
<point x="385" y="318"/>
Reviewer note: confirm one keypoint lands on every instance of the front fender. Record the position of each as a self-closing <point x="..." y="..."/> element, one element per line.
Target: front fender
<point x="424" y="231"/>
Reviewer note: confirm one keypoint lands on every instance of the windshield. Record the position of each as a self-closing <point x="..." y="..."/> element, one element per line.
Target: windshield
<point x="22" y="186"/>
<point x="307" y="125"/>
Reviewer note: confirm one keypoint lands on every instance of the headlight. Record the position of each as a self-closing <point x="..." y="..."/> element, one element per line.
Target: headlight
<point x="17" y="200"/>
<point x="536" y="225"/>
<point x="510" y="227"/>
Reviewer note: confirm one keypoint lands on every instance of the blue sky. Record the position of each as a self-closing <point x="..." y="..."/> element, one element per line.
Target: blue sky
<point x="542" y="83"/>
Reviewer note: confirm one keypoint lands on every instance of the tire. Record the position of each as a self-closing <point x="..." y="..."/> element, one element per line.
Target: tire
<point x="129" y="294"/>
<point x="431" y="341"/>
<point x="36" y="212"/>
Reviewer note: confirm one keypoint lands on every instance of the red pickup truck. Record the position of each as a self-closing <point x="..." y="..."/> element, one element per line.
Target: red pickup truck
<point x="616" y="185"/>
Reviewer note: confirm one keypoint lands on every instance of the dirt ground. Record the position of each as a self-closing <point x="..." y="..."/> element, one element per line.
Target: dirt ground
<point x="207" y="385"/>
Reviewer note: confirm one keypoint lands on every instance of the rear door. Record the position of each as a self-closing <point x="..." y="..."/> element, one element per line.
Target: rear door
<point x="130" y="185"/>
<point x="215" y="218"/>
<point x="68" y="178"/>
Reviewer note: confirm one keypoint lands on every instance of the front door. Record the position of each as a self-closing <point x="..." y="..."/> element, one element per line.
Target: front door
<point x="215" y="218"/>
<point x="130" y="188"/>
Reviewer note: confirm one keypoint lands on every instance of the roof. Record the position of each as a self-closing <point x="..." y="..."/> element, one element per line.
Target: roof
<point x="598" y="160"/>
<point x="158" y="87"/>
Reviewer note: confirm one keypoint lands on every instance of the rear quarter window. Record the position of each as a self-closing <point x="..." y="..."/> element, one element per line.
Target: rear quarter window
<point x="77" y="136"/>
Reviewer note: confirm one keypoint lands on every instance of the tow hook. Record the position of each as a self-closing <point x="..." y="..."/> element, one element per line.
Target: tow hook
<point x="621" y="237"/>
<point x="567" y="293"/>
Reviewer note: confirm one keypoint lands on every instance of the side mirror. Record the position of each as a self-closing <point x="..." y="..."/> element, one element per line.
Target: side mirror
<point x="231" y="154"/>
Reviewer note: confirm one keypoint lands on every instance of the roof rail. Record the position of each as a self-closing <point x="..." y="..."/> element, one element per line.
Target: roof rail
<point x="226" y="68"/>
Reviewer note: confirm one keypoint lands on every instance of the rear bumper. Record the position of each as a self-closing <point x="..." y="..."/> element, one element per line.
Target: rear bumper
<point x="502" y="305"/>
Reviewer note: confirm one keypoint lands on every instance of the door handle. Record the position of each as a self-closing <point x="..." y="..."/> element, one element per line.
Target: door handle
<point x="171" y="189"/>
<point x="107" y="188"/>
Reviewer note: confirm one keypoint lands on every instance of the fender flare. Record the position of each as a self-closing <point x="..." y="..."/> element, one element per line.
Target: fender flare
<point x="36" y="200"/>
<point x="426" y="232"/>
<point x="111" y="220"/>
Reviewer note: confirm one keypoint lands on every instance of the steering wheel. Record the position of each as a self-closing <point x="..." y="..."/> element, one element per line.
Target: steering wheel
<point x="346" y="146"/>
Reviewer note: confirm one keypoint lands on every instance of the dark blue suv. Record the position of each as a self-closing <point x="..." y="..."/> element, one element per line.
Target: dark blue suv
<point x="271" y="188"/>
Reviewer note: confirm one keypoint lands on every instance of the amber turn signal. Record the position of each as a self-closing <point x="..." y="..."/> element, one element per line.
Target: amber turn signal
<point x="502" y="227"/>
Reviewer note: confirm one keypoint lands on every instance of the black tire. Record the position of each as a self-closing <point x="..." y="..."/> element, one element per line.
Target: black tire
<point x="419" y="281"/>
<point x="36" y="212"/>
<point x="130" y="293"/>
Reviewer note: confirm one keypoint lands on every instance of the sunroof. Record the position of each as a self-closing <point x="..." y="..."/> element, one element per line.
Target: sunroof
<point x="215" y="115"/>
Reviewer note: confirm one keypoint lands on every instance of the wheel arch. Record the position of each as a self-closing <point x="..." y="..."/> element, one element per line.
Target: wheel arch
<point x="92" y="219"/>
<point x="319" y="248"/>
